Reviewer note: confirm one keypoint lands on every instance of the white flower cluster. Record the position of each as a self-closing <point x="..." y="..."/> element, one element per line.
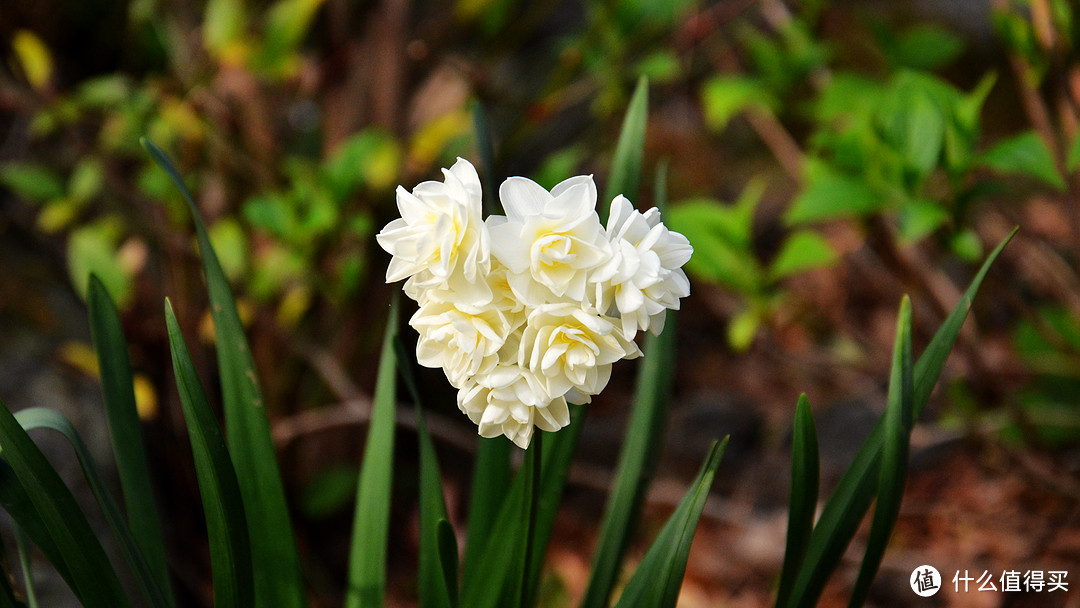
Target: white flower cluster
<point x="528" y="310"/>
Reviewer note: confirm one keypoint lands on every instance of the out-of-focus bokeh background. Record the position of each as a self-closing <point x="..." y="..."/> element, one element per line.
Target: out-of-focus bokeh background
<point x="824" y="157"/>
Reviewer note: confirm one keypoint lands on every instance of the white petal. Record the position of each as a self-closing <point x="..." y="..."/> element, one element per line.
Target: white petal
<point x="522" y="197"/>
<point x="466" y="174"/>
<point x="507" y="246"/>
<point x="619" y="213"/>
<point x="573" y="198"/>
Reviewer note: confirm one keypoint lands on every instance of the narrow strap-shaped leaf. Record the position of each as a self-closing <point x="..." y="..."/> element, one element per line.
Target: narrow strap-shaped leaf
<point x="117" y="387"/>
<point x="16" y="503"/>
<point x="530" y="469"/>
<point x="928" y="367"/>
<point x="490" y="480"/>
<point x="894" y="455"/>
<point x="41" y="418"/>
<point x="438" y="544"/>
<point x="70" y="539"/>
<point x="557" y="458"/>
<point x="485" y="586"/>
<point x="493" y="583"/>
<point x="448" y="556"/>
<point x="278" y="581"/>
<point x="805" y="470"/>
<point x="637" y="463"/>
<point x="367" y="558"/>
<point x="658" y="578"/>
<point x="857" y="487"/>
<point x="437" y="582"/>
<point x="7" y="591"/>
<point x="486" y="147"/>
<point x="625" y="175"/>
<point x="226" y="525"/>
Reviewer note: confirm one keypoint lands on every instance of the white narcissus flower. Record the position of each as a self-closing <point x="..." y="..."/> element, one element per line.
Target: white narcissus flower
<point x="440" y="238"/>
<point x="549" y="241"/>
<point x="512" y="401"/>
<point x="462" y="343"/>
<point x="644" y="276"/>
<point x="569" y="347"/>
<point x="526" y="311"/>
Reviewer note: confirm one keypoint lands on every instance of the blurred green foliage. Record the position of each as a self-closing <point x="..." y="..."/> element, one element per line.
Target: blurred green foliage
<point x="295" y="120"/>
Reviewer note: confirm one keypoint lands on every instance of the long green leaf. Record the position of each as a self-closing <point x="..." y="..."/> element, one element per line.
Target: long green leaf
<point x="7" y="590"/>
<point x="487" y="586"/>
<point x="857" y="487"/>
<point x="658" y="578"/>
<point x="493" y="582"/>
<point x="278" y="581"/>
<point x="637" y="463"/>
<point x="448" y="556"/>
<point x="226" y="522"/>
<point x="367" y="558"/>
<point x="438" y="544"/>
<point x="437" y="578"/>
<point x="558" y="455"/>
<point x="898" y="423"/>
<point x="16" y="502"/>
<point x="491" y="478"/>
<point x="486" y="147"/>
<point x="22" y="545"/>
<point x="625" y="175"/>
<point x="118" y="391"/>
<point x="41" y="418"/>
<point x="530" y="470"/>
<point x="67" y="535"/>
<point x="804" y="494"/>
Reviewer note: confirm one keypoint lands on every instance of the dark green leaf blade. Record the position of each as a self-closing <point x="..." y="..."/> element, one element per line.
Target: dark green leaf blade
<point x="276" y="562"/>
<point x="625" y="175"/>
<point x="898" y="423"/>
<point x="637" y="463"/>
<point x="367" y="557"/>
<point x="226" y="524"/>
<point x="853" y="494"/>
<point x="68" y="536"/>
<point x="118" y="391"/>
<point x="486" y="147"/>
<point x="448" y="555"/>
<point x="530" y="470"/>
<point x="493" y="582"/>
<point x="16" y="503"/>
<point x="555" y="468"/>
<point x="437" y="579"/>
<point x="928" y="367"/>
<point x="22" y="546"/>
<point x="146" y="578"/>
<point x="805" y="472"/>
<point x="491" y="477"/>
<point x="658" y="578"/>
<point x="488" y="582"/>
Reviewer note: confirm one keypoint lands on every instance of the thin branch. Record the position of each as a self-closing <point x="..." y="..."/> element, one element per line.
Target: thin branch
<point x="355" y="412"/>
<point x="779" y="141"/>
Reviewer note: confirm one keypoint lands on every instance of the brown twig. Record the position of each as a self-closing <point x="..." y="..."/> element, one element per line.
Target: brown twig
<point x="327" y="366"/>
<point x="779" y="141"/>
<point x="358" y="412"/>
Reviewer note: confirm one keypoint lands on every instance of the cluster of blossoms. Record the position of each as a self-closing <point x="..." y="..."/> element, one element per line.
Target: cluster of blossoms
<point x="527" y="311"/>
